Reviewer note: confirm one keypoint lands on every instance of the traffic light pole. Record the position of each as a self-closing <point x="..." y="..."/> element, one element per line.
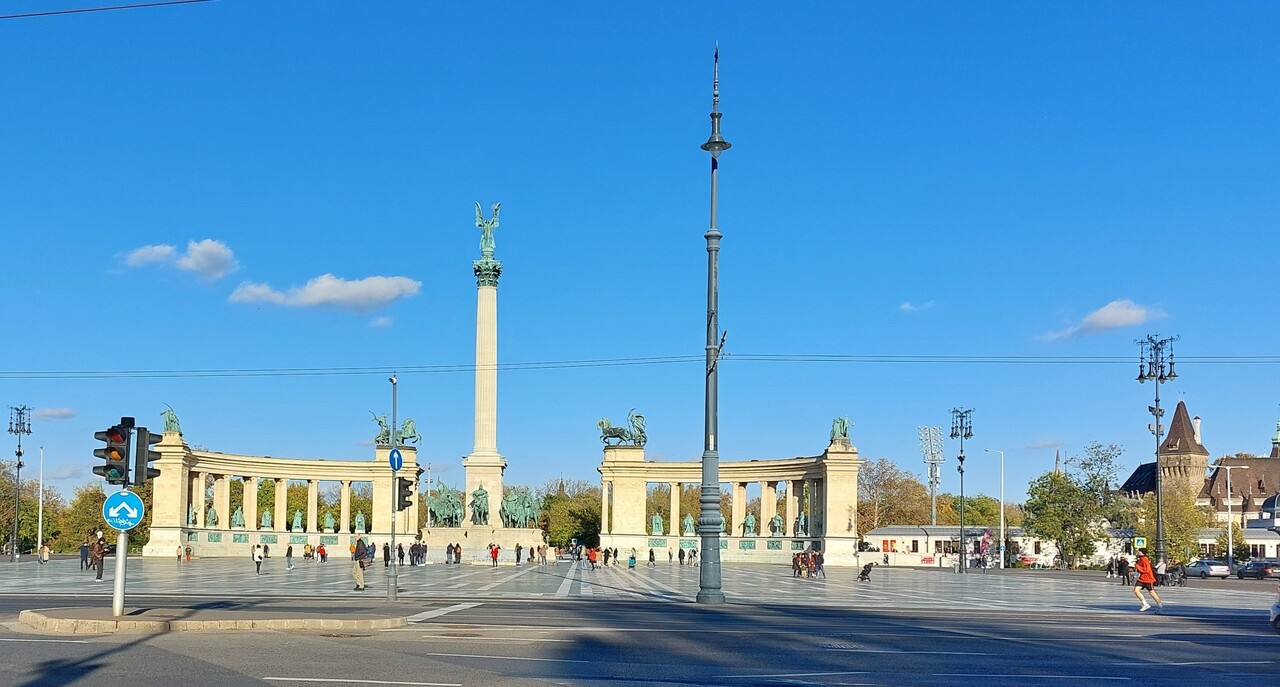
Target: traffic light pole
<point x="392" y="580"/>
<point x="122" y="560"/>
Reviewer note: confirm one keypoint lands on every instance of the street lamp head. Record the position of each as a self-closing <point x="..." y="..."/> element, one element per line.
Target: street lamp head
<point x="392" y="379"/>
<point x="1172" y="374"/>
<point x="1142" y="373"/>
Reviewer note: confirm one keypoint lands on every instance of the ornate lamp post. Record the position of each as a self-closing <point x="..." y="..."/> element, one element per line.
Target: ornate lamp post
<point x="962" y="428"/>
<point x="1151" y="367"/>
<point x="709" y="588"/>
<point x="19" y="424"/>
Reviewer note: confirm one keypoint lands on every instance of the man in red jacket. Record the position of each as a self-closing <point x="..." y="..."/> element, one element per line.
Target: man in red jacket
<point x="1146" y="580"/>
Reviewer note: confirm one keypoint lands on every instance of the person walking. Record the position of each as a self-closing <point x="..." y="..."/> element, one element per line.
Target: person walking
<point x="519" y="549"/>
<point x="651" y="559"/>
<point x="257" y="558"/>
<point x="1161" y="577"/>
<point x="44" y="554"/>
<point x="361" y="562"/>
<point x="96" y="556"/>
<point x="681" y="556"/>
<point x="187" y="551"/>
<point x="386" y="555"/>
<point x="84" y="555"/>
<point x="288" y="558"/>
<point x="1147" y="581"/>
<point x="1111" y="567"/>
<point x="323" y="554"/>
<point x="400" y="554"/>
<point x="457" y="553"/>
<point x="493" y="553"/>
<point x="1122" y="571"/>
<point x="179" y="553"/>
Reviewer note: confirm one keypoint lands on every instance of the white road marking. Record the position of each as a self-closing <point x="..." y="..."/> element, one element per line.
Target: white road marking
<point x="427" y="615"/>
<point x="510" y="658"/>
<point x="1036" y="677"/>
<point x="908" y="651"/>
<point x="494" y="639"/>
<point x="355" y="681"/>
<point x="56" y="641"/>
<point x="491" y="585"/>
<point x="1189" y="663"/>
<point x="563" y="591"/>
<point x="757" y="675"/>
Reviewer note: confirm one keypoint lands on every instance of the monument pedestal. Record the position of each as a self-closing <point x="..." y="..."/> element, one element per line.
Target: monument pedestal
<point x="475" y="541"/>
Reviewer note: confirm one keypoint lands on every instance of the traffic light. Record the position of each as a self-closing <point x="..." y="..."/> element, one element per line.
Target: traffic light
<point x="143" y="456"/>
<point x="404" y="493"/>
<point x="116" y="453"/>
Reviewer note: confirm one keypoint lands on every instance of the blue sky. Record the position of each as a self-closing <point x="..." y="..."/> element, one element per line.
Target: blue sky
<point x="922" y="180"/>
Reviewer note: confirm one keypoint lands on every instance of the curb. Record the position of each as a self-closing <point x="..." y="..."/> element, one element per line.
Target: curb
<point x="44" y="623"/>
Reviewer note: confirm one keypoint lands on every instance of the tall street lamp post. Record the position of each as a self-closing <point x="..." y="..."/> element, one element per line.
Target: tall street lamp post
<point x="989" y="450"/>
<point x="1151" y="367"/>
<point x="1231" y="551"/>
<point x="19" y="424"/>
<point x="40" y="507"/>
<point x="962" y="428"/>
<point x="709" y="587"/>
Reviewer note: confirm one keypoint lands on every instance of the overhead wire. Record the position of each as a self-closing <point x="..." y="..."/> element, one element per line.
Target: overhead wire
<point x="103" y="8"/>
<point x="820" y="358"/>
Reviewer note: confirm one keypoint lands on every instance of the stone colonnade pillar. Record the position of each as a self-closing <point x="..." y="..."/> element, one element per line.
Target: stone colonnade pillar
<point x="250" y="498"/>
<point x="282" y="505"/>
<point x="604" y="507"/>
<point x="313" y="504"/>
<point x="197" y="496"/>
<point x="738" y="509"/>
<point x="222" y="500"/>
<point x="768" y="505"/>
<point x="344" y="507"/>
<point x="673" y="528"/>
<point x="793" y="506"/>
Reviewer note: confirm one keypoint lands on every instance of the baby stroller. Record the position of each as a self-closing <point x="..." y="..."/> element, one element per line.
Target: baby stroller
<point x="865" y="575"/>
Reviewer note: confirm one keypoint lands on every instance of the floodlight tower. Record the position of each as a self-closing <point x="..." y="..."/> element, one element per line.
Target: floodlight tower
<point x="931" y="447"/>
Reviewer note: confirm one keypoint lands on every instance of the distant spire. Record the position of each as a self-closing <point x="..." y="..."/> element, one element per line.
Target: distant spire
<point x="1057" y="461"/>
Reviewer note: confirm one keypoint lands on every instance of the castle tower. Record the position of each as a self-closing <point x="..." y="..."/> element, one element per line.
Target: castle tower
<point x="484" y="467"/>
<point x="1183" y="459"/>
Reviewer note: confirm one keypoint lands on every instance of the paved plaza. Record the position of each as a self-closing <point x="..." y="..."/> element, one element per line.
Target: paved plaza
<point x="903" y="589"/>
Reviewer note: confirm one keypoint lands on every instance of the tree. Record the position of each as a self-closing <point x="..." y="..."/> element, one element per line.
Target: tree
<point x="1096" y="471"/>
<point x="83" y="517"/>
<point x="1183" y="521"/>
<point x="1060" y="510"/>
<point x="1240" y="550"/>
<point x="889" y="495"/>
<point x="571" y="510"/>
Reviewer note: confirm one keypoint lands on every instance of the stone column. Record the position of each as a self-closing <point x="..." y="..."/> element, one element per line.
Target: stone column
<point x="674" y="527"/>
<point x="282" y="521"/>
<point x="817" y="508"/>
<point x="197" y="496"/>
<point x="484" y="467"/>
<point x="738" y="510"/>
<point x="604" y="508"/>
<point x="768" y="505"/>
<point x="222" y="500"/>
<point x="313" y="504"/>
<point x="251" y="503"/>
<point x="344" y="508"/>
<point x="793" y="507"/>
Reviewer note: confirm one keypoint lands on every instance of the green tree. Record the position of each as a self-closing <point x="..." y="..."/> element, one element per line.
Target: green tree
<point x="1241" y="551"/>
<point x="571" y="510"/>
<point x="1096" y="471"/>
<point x="82" y="518"/>
<point x="1060" y="510"/>
<point x="1183" y="521"/>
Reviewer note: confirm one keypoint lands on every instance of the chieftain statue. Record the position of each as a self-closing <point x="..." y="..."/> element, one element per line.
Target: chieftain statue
<point x="266" y="520"/>
<point x="211" y="518"/>
<point x="237" y="517"/>
<point x="655" y="524"/>
<point x="749" y="524"/>
<point x="775" y="525"/>
<point x="634" y="436"/>
<point x="480" y="506"/>
<point x="445" y="506"/>
<point x="409" y="431"/>
<point x="384" y="430"/>
<point x="297" y="521"/>
<point x="328" y="521"/>
<point x="360" y="528"/>
<point x="687" y="524"/>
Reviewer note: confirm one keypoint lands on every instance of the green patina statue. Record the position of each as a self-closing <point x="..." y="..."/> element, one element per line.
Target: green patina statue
<point x="687" y="525"/>
<point x="266" y="520"/>
<point x="360" y="528"/>
<point x="237" y="517"/>
<point x="211" y="518"/>
<point x="409" y="431"/>
<point x="749" y="524"/>
<point x="775" y="525"/>
<point x="328" y="521"/>
<point x="840" y="429"/>
<point x="657" y="525"/>
<point x="384" y="430"/>
<point x="634" y="436"/>
<point x="480" y="506"/>
<point x="486" y="228"/>
<point x="170" y="421"/>
<point x="297" y="521"/>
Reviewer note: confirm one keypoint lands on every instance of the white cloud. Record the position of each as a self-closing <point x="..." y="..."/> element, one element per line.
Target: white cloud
<point x="210" y="258"/>
<point x="379" y="322"/>
<point x="76" y="472"/>
<point x="908" y="306"/>
<point x="360" y="295"/>
<point x="53" y="413"/>
<point x="1113" y="315"/>
<point x="149" y="254"/>
<point x="1050" y="443"/>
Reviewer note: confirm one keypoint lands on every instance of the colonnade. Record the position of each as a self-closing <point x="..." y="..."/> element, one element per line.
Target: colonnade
<point x="281" y="519"/>
<point x="793" y="488"/>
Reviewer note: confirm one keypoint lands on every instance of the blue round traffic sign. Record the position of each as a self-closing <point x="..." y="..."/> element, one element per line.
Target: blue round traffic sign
<point x="396" y="459"/>
<point x="123" y="510"/>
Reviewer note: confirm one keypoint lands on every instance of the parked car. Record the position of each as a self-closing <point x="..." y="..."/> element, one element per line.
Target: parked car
<point x="1208" y="568"/>
<point x="1259" y="570"/>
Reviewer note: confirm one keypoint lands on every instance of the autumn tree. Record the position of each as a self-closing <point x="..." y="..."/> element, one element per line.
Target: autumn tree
<point x="889" y="495"/>
<point x="1061" y="510"/>
<point x="1183" y="521"/>
<point x="570" y="510"/>
<point x="1240" y="548"/>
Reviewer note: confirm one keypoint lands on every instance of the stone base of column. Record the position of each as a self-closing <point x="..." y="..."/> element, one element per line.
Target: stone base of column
<point x="475" y="540"/>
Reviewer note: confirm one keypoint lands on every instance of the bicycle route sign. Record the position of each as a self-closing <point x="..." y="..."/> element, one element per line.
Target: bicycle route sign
<point x="123" y="510"/>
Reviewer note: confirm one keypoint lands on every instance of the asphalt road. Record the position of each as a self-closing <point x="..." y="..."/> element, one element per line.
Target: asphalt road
<point x="641" y="643"/>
